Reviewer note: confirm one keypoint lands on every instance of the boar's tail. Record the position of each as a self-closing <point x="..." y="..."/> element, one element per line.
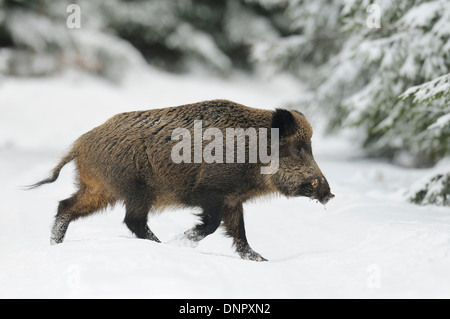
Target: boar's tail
<point x="55" y="173"/>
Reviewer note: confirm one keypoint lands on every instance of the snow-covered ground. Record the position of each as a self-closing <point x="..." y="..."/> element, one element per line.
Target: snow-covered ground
<point x="367" y="242"/>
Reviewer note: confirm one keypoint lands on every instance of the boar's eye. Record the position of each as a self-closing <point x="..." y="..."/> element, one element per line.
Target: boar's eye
<point x="314" y="183"/>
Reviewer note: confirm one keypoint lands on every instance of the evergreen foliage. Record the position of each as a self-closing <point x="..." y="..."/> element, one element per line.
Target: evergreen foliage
<point x="115" y="35"/>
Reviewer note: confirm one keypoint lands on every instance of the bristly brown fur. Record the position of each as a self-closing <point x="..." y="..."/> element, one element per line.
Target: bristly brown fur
<point x="128" y="158"/>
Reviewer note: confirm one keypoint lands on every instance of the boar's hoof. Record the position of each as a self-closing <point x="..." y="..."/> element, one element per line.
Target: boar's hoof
<point x="55" y="241"/>
<point x="193" y="235"/>
<point x="249" y="254"/>
<point x="153" y="237"/>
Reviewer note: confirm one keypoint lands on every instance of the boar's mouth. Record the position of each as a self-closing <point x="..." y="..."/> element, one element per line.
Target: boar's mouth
<point x="326" y="198"/>
<point x="308" y="190"/>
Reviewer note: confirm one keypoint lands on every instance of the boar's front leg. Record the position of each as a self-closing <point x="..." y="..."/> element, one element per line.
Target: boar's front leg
<point x="233" y="218"/>
<point x="212" y="205"/>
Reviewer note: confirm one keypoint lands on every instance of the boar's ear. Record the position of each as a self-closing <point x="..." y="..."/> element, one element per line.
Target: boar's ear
<point x="285" y="121"/>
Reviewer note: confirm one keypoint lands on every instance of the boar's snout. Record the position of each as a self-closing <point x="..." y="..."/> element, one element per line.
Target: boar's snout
<point x="326" y="198"/>
<point x="322" y="190"/>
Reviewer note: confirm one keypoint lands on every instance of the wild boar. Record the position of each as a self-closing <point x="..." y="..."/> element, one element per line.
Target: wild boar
<point x="130" y="159"/>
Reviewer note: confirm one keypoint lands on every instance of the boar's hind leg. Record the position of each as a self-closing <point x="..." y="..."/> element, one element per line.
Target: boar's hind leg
<point x="233" y="218"/>
<point x="81" y="204"/>
<point x="138" y="205"/>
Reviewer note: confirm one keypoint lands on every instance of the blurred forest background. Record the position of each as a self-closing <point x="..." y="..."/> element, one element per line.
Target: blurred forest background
<point x="391" y="83"/>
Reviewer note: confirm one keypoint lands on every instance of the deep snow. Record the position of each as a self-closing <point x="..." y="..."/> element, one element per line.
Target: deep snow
<point x="367" y="242"/>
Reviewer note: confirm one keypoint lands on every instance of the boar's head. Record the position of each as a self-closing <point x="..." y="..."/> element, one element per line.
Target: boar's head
<point x="298" y="173"/>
